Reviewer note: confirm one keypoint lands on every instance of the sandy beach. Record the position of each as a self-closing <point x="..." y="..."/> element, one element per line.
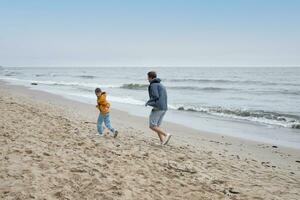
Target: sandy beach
<point x="50" y="150"/>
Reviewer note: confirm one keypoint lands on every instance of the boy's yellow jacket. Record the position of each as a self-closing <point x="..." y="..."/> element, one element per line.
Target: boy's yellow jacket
<point x="103" y="105"/>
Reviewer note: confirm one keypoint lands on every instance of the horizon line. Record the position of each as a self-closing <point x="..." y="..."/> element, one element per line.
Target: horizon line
<point x="143" y="66"/>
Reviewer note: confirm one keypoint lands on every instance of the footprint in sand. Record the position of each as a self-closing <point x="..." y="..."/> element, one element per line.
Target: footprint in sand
<point x="28" y="151"/>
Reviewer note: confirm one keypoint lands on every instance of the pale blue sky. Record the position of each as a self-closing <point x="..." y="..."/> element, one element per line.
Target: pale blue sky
<point x="150" y="33"/>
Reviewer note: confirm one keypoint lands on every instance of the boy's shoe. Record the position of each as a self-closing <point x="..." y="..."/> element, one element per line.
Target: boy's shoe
<point x="167" y="139"/>
<point x="103" y="128"/>
<point x="116" y="133"/>
<point x="101" y="135"/>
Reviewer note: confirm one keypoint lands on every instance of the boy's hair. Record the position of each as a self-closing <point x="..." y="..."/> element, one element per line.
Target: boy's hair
<point x="152" y="74"/>
<point x="98" y="90"/>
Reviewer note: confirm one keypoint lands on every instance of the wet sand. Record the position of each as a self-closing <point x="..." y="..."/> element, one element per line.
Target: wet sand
<point x="50" y="150"/>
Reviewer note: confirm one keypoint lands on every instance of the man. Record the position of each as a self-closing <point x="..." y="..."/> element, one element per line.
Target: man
<point x="158" y="100"/>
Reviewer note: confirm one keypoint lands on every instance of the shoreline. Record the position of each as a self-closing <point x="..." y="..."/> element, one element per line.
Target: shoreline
<point x="195" y="150"/>
<point x="242" y="129"/>
<point x="142" y="119"/>
<point x="191" y="136"/>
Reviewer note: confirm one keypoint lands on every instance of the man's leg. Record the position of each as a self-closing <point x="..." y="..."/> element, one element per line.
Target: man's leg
<point x="164" y="137"/>
<point x="154" y="120"/>
<point x="159" y="132"/>
<point x="99" y="124"/>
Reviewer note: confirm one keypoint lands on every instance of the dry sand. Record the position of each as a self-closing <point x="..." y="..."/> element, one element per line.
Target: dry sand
<point x="49" y="150"/>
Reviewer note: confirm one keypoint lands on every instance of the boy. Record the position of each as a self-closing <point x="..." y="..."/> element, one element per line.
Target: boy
<point x="158" y="100"/>
<point x="103" y="106"/>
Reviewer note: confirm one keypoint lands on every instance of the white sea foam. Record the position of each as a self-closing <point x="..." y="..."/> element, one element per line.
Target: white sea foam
<point x="60" y="83"/>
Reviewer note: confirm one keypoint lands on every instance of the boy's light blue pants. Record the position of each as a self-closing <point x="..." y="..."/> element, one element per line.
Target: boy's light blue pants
<point x="104" y="118"/>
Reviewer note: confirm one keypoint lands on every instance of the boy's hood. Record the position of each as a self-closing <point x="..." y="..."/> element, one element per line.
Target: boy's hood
<point x="102" y="93"/>
<point x="156" y="80"/>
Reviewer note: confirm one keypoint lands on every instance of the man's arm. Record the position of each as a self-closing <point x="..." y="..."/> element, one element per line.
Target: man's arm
<point x="154" y="96"/>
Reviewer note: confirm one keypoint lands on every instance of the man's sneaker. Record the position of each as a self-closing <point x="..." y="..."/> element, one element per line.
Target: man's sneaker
<point x="101" y="134"/>
<point x="168" y="137"/>
<point x="116" y="133"/>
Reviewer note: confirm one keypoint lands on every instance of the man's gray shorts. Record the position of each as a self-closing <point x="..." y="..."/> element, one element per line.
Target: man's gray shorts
<point x="156" y="117"/>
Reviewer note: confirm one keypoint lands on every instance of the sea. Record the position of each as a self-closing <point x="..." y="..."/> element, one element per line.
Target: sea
<point x="254" y="103"/>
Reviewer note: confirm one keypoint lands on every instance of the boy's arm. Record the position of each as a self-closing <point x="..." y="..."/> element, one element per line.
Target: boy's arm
<point x="154" y="96"/>
<point x="97" y="106"/>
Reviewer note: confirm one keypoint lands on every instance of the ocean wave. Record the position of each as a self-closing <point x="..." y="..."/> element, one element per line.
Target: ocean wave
<point x="290" y="92"/>
<point x="12" y="74"/>
<point x="199" y="88"/>
<point x="261" y="116"/>
<point x="61" y="83"/>
<point x="199" y="80"/>
<point x="40" y="75"/>
<point x="86" y="76"/>
<point x="136" y="86"/>
<point x="230" y="81"/>
<point x="76" y="84"/>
